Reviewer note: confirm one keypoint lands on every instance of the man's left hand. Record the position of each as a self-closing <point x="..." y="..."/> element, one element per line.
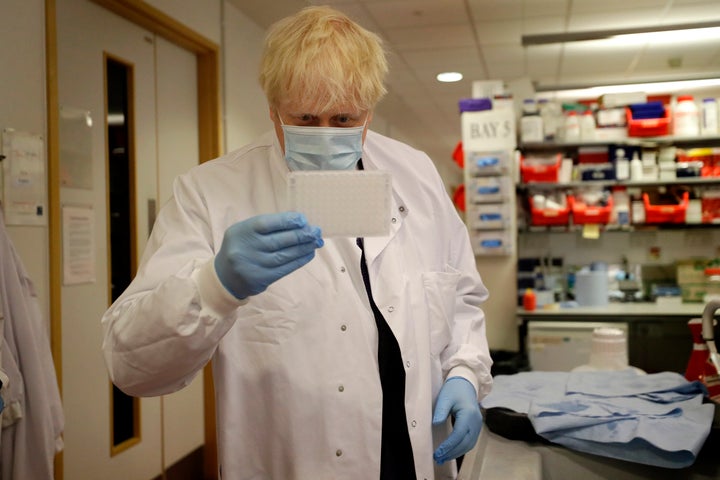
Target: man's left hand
<point x="457" y="397"/>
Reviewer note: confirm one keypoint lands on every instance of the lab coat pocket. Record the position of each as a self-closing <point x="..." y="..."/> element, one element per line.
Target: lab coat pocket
<point x="440" y="293"/>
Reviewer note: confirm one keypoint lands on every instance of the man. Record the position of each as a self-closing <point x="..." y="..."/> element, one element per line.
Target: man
<point x="337" y="358"/>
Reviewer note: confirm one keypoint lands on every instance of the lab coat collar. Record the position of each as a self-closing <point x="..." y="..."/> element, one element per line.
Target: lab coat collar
<point x="398" y="208"/>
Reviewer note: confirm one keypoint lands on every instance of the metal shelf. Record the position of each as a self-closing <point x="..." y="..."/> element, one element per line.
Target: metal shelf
<point x="618" y="228"/>
<point x="632" y="141"/>
<point x="690" y="181"/>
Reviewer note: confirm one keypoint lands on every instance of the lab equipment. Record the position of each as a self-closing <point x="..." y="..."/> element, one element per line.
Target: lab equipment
<point x="608" y="351"/>
<point x="457" y="397"/>
<point x="262" y="249"/>
<point x="343" y="203"/>
<point x="708" y="334"/>
<point x="563" y="345"/>
<point x="591" y="287"/>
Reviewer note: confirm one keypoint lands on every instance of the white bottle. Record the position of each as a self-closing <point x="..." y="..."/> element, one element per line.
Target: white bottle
<point x="551" y="115"/>
<point x="531" y="124"/>
<point x="621" y="206"/>
<point x="709" y="124"/>
<point x="686" y="118"/>
<point x="587" y="126"/>
<point x="636" y="167"/>
<point x="572" y="126"/>
<point x="622" y="165"/>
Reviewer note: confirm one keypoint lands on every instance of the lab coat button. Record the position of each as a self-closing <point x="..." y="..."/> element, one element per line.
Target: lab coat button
<point x="342" y="269"/>
<point x="338" y="453"/>
<point x="407" y="364"/>
<point x="341" y="388"/>
<point x="413" y="423"/>
<point x="391" y="309"/>
<point x="343" y="327"/>
<point x="393" y="220"/>
<point x="401" y="208"/>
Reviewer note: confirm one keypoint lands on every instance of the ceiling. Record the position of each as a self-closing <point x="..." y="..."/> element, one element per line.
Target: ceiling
<point x="482" y="40"/>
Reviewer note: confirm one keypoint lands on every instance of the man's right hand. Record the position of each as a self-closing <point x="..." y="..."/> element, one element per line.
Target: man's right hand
<point x="260" y="250"/>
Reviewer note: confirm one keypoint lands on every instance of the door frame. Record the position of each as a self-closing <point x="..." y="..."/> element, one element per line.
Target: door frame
<point x="210" y="146"/>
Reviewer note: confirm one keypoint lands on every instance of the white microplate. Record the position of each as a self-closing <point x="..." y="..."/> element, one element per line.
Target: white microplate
<point x="343" y="203"/>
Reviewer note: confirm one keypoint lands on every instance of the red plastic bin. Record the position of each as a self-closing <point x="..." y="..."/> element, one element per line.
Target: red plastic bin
<point x="648" y="127"/>
<point x="583" y="214"/>
<point x="549" y="216"/>
<point x="544" y="170"/>
<point x="666" y="213"/>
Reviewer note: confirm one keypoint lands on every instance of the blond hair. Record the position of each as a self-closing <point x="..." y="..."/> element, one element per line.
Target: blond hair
<point x="322" y="55"/>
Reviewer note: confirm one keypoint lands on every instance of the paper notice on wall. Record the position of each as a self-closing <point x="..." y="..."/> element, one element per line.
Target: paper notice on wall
<point x="24" y="178"/>
<point x="78" y="245"/>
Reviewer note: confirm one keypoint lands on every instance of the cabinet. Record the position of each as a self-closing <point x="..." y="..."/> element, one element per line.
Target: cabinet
<point x="650" y="329"/>
<point x="560" y="180"/>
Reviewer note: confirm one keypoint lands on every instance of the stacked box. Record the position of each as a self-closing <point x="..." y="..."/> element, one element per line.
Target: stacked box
<point x="692" y="280"/>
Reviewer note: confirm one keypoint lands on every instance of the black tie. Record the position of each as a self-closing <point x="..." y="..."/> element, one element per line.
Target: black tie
<point x="396" y="457"/>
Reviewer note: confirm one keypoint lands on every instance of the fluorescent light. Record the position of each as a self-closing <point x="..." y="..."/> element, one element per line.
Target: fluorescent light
<point x="648" y="88"/>
<point x="449" y="77"/>
<point x="668" y="37"/>
<point x="663" y="33"/>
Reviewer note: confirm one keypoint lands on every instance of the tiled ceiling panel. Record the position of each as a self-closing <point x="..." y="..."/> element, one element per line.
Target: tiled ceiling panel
<point x="545" y="8"/>
<point x="430" y="37"/>
<point x="410" y="13"/>
<point x="482" y="40"/>
<point x="485" y="10"/>
<point x="444" y="58"/>
<point x="499" y="32"/>
<point x="607" y="20"/>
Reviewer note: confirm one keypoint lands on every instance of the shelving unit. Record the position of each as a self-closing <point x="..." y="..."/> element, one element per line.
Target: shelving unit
<point x="639" y="188"/>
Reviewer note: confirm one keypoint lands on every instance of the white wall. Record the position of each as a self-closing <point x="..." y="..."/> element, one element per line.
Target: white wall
<point x="246" y="111"/>
<point x="22" y="107"/>
<point x="201" y="16"/>
<point x="612" y="246"/>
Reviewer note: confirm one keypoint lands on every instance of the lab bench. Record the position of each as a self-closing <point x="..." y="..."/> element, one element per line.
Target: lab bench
<point x="498" y="458"/>
<point x="658" y="336"/>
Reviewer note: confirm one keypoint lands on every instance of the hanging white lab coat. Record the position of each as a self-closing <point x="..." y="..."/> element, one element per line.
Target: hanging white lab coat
<point x="295" y="367"/>
<point x="32" y="420"/>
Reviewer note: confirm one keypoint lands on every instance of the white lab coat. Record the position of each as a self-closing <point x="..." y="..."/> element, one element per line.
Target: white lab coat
<point x="33" y="419"/>
<point x="295" y="367"/>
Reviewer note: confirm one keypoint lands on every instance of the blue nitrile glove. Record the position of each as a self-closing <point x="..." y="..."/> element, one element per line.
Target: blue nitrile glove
<point x="260" y="250"/>
<point x="457" y="397"/>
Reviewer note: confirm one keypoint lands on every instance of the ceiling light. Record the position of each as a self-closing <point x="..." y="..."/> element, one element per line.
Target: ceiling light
<point x="449" y="77"/>
<point x="664" y="33"/>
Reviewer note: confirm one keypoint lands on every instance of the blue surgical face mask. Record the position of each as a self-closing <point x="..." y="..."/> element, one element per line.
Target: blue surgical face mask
<point x="322" y="148"/>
